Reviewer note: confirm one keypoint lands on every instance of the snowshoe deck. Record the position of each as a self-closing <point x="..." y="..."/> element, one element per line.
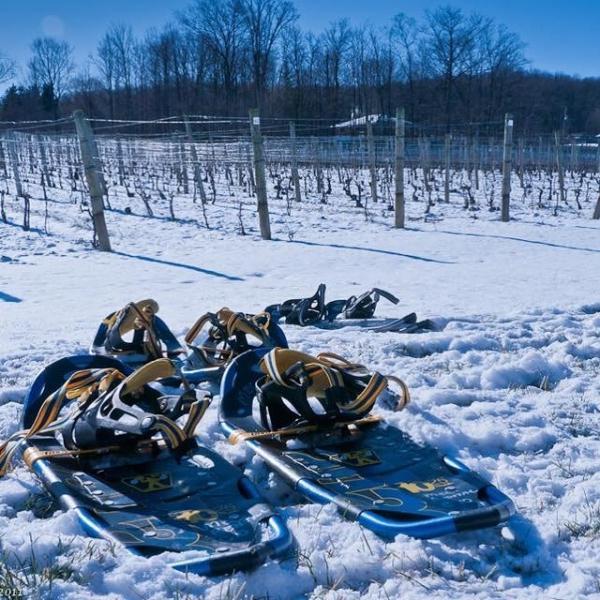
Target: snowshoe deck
<point x="375" y="473"/>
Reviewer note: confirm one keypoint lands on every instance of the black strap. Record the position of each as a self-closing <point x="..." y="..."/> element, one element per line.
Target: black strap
<point x="275" y="401"/>
<point x="309" y="310"/>
<point x="363" y="306"/>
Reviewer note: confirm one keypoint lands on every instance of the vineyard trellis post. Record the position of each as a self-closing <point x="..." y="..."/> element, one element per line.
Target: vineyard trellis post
<point x="259" y="175"/>
<point x="476" y="159"/>
<point x="399" y="209"/>
<point x="507" y="166"/>
<point x="295" y="176"/>
<point x="3" y="158"/>
<point x="597" y="209"/>
<point x="121" y="167"/>
<point x="14" y="163"/>
<point x="559" y="165"/>
<point x="447" y="149"/>
<point x="197" y="172"/>
<point x="372" y="159"/>
<point x="89" y="156"/>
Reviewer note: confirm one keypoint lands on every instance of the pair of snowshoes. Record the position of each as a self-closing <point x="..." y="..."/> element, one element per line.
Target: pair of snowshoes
<point x="125" y="457"/>
<point x="356" y="310"/>
<point x="312" y="310"/>
<point x="212" y="342"/>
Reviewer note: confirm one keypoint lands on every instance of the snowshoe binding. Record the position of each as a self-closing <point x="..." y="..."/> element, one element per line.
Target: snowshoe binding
<point x="216" y="339"/>
<point x="150" y="337"/>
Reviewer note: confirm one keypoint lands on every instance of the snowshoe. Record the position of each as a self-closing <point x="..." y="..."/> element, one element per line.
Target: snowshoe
<point x="134" y="476"/>
<point x="358" y="307"/>
<point x="150" y="336"/>
<point x="309" y="418"/>
<point x="315" y="311"/>
<point x="216" y="339"/>
<point x="373" y="324"/>
<point x="408" y="324"/>
<point x="301" y="311"/>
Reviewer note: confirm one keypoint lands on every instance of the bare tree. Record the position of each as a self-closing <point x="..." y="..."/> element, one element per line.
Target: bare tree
<point x="357" y="70"/>
<point x="106" y="62"/>
<point x="218" y="24"/>
<point x="405" y="36"/>
<point x="293" y="70"/>
<point x="264" y="21"/>
<point x="336" y="40"/>
<point x="7" y="68"/>
<point x="123" y="46"/>
<point x="381" y="60"/>
<point x="86" y="87"/>
<point x="170" y="62"/>
<point x="450" y="40"/>
<point x="501" y="55"/>
<point x="51" y="64"/>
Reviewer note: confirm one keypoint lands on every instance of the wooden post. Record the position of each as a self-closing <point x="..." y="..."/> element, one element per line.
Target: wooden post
<point x="14" y="162"/>
<point x="372" y="163"/>
<point x="521" y="152"/>
<point x="467" y="155"/>
<point x="3" y="159"/>
<point x="295" y="176"/>
<point x="197" y="172"/>
<point x="45" y="180"/>
<point x="597" y="210"/>
<point x="89" y="156"/>
<point x="447" y="149"/>
<point x="183" y="166"/>
<point x="476" y="159"/>
<point x="399" y="208"/>
<point x="121" y="168"/>
<point x="507" y="166"/>
<point x="259" y="176"/>
<point x="559" y="165"/>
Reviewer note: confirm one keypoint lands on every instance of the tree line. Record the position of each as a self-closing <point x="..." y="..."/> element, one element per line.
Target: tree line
<point x="221" y="57"/>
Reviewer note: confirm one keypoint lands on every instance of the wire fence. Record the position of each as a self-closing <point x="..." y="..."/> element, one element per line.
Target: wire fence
<point x="212" y="158"/>
<point x="318" y="142"/>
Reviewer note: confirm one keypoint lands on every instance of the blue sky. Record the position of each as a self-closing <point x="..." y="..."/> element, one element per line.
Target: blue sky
<point x="561" y="35"/>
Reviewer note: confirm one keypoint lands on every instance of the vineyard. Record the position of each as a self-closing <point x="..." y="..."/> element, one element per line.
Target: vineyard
<point x="508" y="384"/>
<point x="204" y="171"/>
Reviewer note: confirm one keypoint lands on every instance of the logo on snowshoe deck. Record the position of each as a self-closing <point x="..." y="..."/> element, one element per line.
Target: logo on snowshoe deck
<point x="374" y="496"/>
<point x="419" y="487"/>
<point x="356" y="458"/>
<point x="150" y="530"/>
<point x="155" y="482"/>
<point x="203" y="515"/>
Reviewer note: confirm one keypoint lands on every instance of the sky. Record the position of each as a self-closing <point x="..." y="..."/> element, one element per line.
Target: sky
<point x="561" y="35"/>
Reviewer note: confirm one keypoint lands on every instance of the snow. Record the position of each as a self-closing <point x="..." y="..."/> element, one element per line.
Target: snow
<point x="511" y="385"/>
<point x="358" y="121"/>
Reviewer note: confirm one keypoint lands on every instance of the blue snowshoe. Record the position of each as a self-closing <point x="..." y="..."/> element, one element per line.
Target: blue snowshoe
<point x="134" y="475"/>
<point x="314" y="427"/>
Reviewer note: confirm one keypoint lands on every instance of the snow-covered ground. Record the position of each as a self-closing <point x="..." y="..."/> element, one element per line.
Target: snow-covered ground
<point x="511" y="385"/>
